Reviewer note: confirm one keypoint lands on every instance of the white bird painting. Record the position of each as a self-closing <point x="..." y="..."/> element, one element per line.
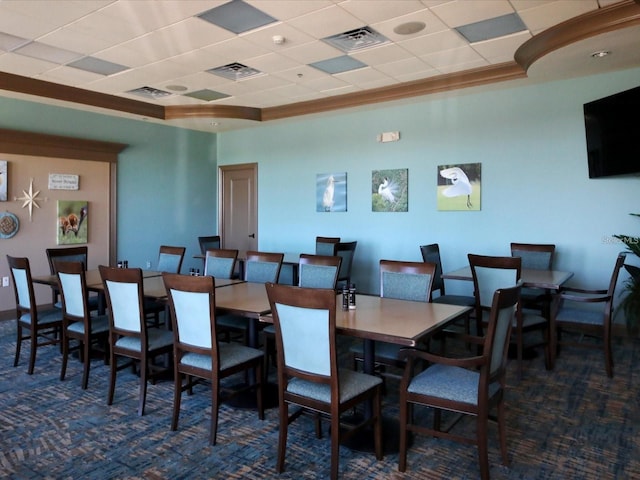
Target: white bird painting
<point x="329" y="191"/>
<point x="388" y="190"/>
<point x="460" y="184"/>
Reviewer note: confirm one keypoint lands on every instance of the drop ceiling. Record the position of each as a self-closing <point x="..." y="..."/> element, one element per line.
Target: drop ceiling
<point x="216" y="65"/>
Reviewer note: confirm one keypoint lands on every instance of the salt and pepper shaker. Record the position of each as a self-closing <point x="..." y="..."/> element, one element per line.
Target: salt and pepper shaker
<point x="352" y="296"/>
<point x="345" y="298"/>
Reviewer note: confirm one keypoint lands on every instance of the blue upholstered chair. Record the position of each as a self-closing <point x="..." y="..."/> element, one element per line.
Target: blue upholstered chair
<point x="259" y="267"/>
<point x="42" y="324"/>
<point x="431" y="253"/>
<point x="472" y="386"/>
<point x="211" y="242"/>
<point x="326" y="245"/>
<point x="347" y="251"/>
<point x="308" y="374"/>
<point x="197" y="353"/>
<point x="535" y="256"/>
<point x="129" y="335"/>
<point x="404" y="281"/>
<point x="588" y="312"/>
<point x="315" y="271"/>
<point x="169" y="260"/>
<point x="492" y="273"/>
<point x="77" y="322"/>
<point x="69" y="254"/>
<point x="220" y="263"/>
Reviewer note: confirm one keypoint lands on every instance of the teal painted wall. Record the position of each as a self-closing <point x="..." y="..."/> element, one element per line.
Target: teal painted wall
<point x="167" y="177"/>
<point x="535" y="185"/>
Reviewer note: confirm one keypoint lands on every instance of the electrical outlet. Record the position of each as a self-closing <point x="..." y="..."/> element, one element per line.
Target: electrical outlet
<point x="5" y="281"/>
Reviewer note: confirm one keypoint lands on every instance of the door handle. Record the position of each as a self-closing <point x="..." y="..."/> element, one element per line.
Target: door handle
<point x="253" y="235"/>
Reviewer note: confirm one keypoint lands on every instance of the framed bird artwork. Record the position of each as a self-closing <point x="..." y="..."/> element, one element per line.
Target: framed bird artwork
<point x="390" y="190"/>
<point x="3" y="181"/>
<point x="331" y="192"/>
<point x="459" y="187"/>
<point x="73" y="224"/>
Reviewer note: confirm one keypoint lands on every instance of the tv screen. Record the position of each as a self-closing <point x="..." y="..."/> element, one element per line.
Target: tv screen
<point x="612" y="126"/>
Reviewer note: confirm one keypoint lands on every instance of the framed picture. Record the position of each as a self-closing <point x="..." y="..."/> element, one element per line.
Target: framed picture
<point x="331" y="192"/>
<point x="459" y="187"/>
<point x="73" y="223"/>
<point x="4" y="180"/>
<point x="390" y="190"/>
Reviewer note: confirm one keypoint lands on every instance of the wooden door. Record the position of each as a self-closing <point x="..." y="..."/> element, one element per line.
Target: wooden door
<point x="238" y="204"/>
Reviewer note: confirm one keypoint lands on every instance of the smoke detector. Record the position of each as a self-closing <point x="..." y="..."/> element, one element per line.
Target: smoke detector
<point x="278" y="39"/>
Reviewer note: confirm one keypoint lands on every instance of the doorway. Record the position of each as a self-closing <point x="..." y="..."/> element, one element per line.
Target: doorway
<point x="238" y="206"/>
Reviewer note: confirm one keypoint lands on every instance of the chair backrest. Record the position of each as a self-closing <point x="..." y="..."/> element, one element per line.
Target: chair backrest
<point x="125" y="299"/>
<point x="346" y="250"/>
<point x="616" y="271"/>
<point x="67" y="254"/>
<point x="504" y="304"/>
<point x="22" y="285"/>
<point x="193" y="313"/>
<point x="73" y="290"/>
<point x="209" y="243"/>
<point x="318" y="271"/>
<point x="305" y="324"/>
<point x="262" y="267"/>
<point x="170" y="259"/>
<point x="492" y="273"/>
<point x="326" y="245"/>
<point x="538" y="256"/>
<point x="406" y="280"/>
<point x="431" y="253"/>
<point x="220" y="263"/>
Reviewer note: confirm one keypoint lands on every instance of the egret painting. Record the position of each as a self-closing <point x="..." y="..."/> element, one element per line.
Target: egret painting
<point x="73" y="223"/>
<point x="459" y="187"/>
<point x="331" y="192"/>
<point x="3" y="181"/>
<point x="389" y="190"/>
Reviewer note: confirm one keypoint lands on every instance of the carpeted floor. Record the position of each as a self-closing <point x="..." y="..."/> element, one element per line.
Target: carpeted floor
<point x="573" y="422"/>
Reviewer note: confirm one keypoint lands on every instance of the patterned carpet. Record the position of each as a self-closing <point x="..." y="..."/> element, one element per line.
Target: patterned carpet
<point x="570" y="423"/>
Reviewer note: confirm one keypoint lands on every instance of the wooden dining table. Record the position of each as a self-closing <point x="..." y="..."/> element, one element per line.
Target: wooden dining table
<point x="533" y="278"/>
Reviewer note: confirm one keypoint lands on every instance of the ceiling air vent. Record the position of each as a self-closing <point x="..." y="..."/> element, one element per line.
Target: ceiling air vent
<point x="150" y="92"/>
<point x="356" y="40"/>
<point x="235" y="71"/>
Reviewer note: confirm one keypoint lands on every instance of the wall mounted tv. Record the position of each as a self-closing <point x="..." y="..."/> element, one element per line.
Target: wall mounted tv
<point x="612" y="126"/>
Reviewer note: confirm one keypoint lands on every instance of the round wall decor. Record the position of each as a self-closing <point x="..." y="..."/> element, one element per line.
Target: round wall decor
<point x="9" y="225"/>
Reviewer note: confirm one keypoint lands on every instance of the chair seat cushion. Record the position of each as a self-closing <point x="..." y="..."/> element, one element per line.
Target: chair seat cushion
<point x="449" y="383"/>
<point x="99" y="324"/>
<point x="157" y="339"/>
<point x="231" y="354"/>
<point x="580" y="315"/>
<point x="351" y="384"/>
<point x="52" y="315"/>
<point x="460" y="300"/>
<point x="232" y="321"/>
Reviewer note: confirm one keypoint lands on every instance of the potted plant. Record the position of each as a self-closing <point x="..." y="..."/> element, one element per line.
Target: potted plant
<point x="630" y="303"/>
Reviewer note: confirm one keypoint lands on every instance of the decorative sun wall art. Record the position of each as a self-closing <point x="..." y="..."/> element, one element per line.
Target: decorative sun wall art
<point x="390" y="190"/>
<point x="4" y="181"/>
<point x="459" y="187"/>
<point x="73" y="224"/>
<point x="331" y="192"/>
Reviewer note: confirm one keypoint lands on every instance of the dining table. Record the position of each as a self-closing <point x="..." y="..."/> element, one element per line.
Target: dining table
<point x="531" y="277"/>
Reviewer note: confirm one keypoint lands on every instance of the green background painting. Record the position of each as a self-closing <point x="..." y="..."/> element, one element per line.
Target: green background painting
<point x="390" y="190"/>
<point x="454" y="185"/>
<point x="72" y="222"/>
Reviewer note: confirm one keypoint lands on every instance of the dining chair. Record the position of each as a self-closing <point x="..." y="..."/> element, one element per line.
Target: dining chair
<point x="315" y="271"/>
<point x="43" y="324"/>
<point x="403" y="281"/>
<point x="588" y="312"/>
<point x="77" y="322"/>
<point x="259" y="267"/>
<point x="209" y="243"/>
<point x="308" y="373"/>
<point x="220" y="263"/>
<point x="469" y="386"/>
<point x="346" y="250"/>
<point x="169" y="260"/>
<point x="68" y="254"/>
<point x="535" y="256"/>
<point x="326" y="245"/>
<point x="129" y="335"/>
<point x="197" y="354"/>
<point x="491" y="273"/>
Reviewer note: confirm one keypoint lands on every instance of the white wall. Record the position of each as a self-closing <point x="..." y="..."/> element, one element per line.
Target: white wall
<point x="535" y="186"/>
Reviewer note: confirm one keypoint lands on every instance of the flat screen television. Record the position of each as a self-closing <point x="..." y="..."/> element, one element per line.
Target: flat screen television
<point x="612" y="127"/>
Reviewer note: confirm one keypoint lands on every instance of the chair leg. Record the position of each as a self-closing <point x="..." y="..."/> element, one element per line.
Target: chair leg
<point x="65" y="355"/>
<point x="402" y="448"/>
<point x="483" y="451"/>
<point x="215" y="403"/>
<point x="18" y="345"/>
<point x="377" y="429"/>
<point x="335" y="444"/>
<point x="260" y="383"/>
<point x="32" y="352"/>
<point x="282" y="435"/>
<point x="87" y="362"/>
<point x="144" y="370"/>
<point x="177" y="396"/>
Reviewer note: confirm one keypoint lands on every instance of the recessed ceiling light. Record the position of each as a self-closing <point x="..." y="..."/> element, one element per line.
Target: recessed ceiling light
<point x="409" y="28"/>
<point x="600" y="54"/>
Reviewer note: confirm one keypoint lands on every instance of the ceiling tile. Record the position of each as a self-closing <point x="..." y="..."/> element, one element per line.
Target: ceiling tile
<point x="382" y="54"/>
<point x="448" y="58"/>
<point x="432" y="25"/>
<point x="372" y="11"/>
<point x="237" y="16"/>
<point x="325" y="22"/>
<point x="462" y="12"/>
<point x="501" y="49"/>
<point x="546" y="15"/>
<point x="441" y="41"/>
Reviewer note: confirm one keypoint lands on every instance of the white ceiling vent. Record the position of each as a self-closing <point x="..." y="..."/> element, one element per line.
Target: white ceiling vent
<point x="150" y="92"/>
<point x="356" y="40"/>
<point x="235" y="71"/>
